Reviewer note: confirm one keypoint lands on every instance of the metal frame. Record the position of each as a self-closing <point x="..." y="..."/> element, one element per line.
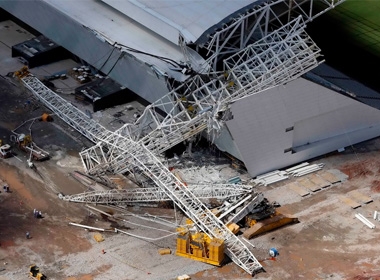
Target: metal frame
<point x="144" y="160"/>
<point x="201" y="103"/>
<point x="259" y="22"/>
<point x="137" y="195"/>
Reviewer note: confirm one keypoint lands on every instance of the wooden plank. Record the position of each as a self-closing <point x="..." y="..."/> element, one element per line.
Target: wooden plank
<point x="353" y="204"/>
<point x="308" y="184"/>
<point x="355" y="194"/>
<point x="316" y="179"/>
<point x="330" y="177"/>
<point x="298" y="189"/>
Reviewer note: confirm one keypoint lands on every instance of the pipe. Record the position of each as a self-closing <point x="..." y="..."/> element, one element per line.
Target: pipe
<point x="365" y="221"/>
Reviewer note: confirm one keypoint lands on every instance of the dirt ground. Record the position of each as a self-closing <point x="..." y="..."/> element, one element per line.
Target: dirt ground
<point x="327" y="243"/>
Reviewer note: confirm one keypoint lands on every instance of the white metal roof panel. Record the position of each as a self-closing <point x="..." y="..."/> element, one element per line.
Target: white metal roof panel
<point x="114" y="26"/>
<point x="191" y="18"/>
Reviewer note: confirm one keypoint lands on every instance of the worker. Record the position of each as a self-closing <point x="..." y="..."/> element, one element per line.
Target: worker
<point x="27" y="235"/>
<point x="39" y="214"/>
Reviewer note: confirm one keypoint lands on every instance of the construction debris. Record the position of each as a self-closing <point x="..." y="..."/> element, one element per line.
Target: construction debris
<point x="376" y="216"/>
<point x="183" y="277"/>
<point x="164" y="251"/>
<point x="364" y="220"/>
<point x="306" y="170"/>
<point x="277" y="175"/>
<point x="271" y="177"/>
<point x="98" y="237"/>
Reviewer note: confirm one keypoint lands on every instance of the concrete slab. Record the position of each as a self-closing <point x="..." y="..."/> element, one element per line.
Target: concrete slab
<point x="355" y="194"/>
<point x="298" y="189"/>
<point x="353" y="204"/>
<point x="12" y="34"/>
<point x="330" y="177"/>
<point x="316" y="179"/>
<point x="305" y="182"/>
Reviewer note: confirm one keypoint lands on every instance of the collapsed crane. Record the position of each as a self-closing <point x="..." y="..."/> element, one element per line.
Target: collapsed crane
<point x="199" y="104"/>
<point x="145" y="160"/>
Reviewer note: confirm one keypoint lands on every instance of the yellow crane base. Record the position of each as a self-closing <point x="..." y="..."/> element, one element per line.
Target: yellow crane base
<point x="201" y="248"/>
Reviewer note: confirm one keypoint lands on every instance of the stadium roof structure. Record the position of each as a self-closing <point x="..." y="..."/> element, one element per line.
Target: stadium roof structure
<point x="196" y="33"/>
<point x="193" y="20"/>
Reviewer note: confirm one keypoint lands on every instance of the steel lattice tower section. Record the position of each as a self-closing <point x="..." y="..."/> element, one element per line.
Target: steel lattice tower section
<point x="200" y="103"/>
<point x="138" y="195"/>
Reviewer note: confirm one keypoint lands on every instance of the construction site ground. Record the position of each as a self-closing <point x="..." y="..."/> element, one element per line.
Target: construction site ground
<point x="327" y="243"/>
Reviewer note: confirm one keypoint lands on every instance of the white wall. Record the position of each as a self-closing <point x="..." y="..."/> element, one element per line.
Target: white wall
<point x="322" y="120"/>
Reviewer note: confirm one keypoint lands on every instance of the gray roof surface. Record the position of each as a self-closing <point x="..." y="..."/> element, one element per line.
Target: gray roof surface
<point x="191" y="18"/>
<point x="360" y="91"/>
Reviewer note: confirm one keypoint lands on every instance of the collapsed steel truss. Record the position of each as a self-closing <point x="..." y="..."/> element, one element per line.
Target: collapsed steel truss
<point x="258" y="22"/>
<point x="144" y="160"/>
<point x="200" y="103"/>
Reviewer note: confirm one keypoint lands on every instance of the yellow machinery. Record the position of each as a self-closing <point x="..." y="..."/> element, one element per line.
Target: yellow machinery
<point x="23" y="72"/>
<point x="46" y="117"/>
<point x="200" y="247"/>
<point x="35" y="273"/>
<point x="275" y="220"/>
